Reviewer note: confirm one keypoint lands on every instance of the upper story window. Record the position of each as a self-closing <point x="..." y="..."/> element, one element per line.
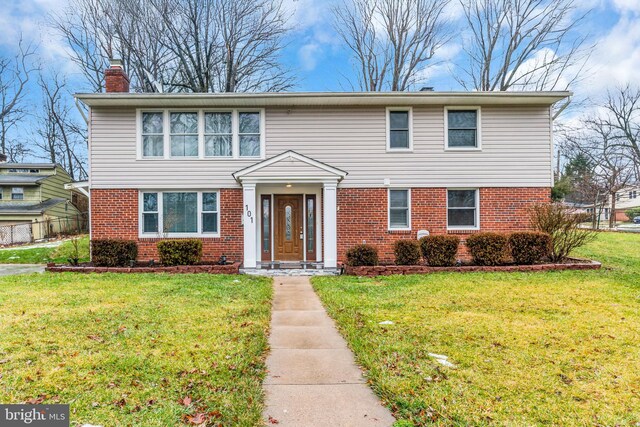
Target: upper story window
<point x="399" y="210"/>
<point x="249" y="132"/>
<point x="218" y="134"/>
<point x="201" y="134"/>
<point x="179" y="213"/>
<point x="17" y="193"/>
<point x="399" y="133"/>
<point x="633" y="194"/>
<point x="23" y="170"/>
<point x="153" y="134"/>
<point x="462" y="209"/>
<point x="462" y="128"/>
<point x="183" y="134"/>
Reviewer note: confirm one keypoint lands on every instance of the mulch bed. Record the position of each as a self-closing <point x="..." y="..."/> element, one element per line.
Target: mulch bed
<point x="231" y="268"/>
<point x="388" y="270"/>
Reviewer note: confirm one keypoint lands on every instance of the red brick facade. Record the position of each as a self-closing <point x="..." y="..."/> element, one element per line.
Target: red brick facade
<point x="362" y="215"/>
<point x="114" y="215"/>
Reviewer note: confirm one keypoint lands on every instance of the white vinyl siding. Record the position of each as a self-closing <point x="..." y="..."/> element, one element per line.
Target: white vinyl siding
<point x="176" y="213"/>
<point x="516" y="150"/>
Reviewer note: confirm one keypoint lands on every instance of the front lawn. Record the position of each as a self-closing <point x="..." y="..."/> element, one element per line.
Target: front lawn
<point x="148" y="350"/>
<point x="554" y="348"/>
<point x="44" y="253"/>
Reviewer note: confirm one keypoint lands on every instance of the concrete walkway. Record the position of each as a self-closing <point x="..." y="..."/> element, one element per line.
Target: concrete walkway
<point x="313" y="379"/>
<point x="13" y="269"/>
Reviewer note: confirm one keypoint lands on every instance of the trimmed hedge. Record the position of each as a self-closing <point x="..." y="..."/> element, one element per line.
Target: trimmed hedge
<point x="487" y="248"/>
<point x="362" y="255"/>
<point x="407" y="252"/>
<point x="440" y="250"/>
<point x="179" y="252"/>
<point x="113" y="252"/>
<point x="529" y="247"/>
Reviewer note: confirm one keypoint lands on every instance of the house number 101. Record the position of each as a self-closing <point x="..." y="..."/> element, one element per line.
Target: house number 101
<point x="248" y="213"/>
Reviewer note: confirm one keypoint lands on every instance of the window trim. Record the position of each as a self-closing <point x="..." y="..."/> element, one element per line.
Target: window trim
<point x="478" y="110"/>
<point x="477" y="207"/>
<point x="235" y="139"/>
<point x="160" y="233"/>
<point x="388" y="110"/>
<point x="389" y="227"/>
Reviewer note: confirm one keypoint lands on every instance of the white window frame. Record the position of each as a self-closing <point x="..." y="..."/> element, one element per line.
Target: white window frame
<point x="17" y="192"/>
<point x="389" y="227"/>
<point x="235" y="140"/>
<point x="233" y="131"/>
<point x="168" y="133"/>
<point x="165" y="131"/>
<point x="201" y="212"/>
<point x="478" y="110"/>
<point x="160" y="233"/>
<point x="477" y="203"/>
<point x="388" y="110"/>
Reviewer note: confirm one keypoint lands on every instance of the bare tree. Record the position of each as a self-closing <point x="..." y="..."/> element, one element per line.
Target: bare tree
<point x="392" y="41"/>
<point x="522" y="44"/>
<point x="59" y="137"/>
<point x="184" y="45"/>
<point x="622" y="115"/>
<point x="15" y="73"/>
<point x="611" y="168"/>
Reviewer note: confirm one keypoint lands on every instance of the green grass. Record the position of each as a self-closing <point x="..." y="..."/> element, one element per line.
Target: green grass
<point x="552" y="348"/>
<point x="59" y="254"/>
<point x="123" y="350"/>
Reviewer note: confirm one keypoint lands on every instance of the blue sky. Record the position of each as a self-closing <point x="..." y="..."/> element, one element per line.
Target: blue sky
<point x="321" y="62"/>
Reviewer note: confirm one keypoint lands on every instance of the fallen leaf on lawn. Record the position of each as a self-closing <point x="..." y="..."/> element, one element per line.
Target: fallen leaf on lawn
<point x="120" y="403"/>
<point x="121" y="329"/>
<point x="36" y="400"/>
<point x="273" y="420"/>
<point x="95" y="338"/>
<point x="3" y="361"/>
<point x="196" y="419"/>
<point x="185" y="401"/>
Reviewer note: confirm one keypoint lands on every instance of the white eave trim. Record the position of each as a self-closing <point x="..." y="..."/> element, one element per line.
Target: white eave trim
<point x="246" y="172"/>
<point x="310" y="99"/>
<point x="80" y="186"/>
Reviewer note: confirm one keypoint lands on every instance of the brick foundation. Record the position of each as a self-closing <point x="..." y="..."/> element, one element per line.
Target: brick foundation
<point x="362" y="216"/>
<point x="114" y="215"/>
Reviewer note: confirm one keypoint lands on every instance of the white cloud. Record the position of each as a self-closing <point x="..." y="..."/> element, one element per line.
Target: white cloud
<point x="308" y="56"/>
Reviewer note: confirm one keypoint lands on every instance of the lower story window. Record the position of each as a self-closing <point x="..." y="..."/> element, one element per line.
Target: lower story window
<point x="399" y="212"/>
<point x="180" y="212"/>
<point x="462" y="208"/>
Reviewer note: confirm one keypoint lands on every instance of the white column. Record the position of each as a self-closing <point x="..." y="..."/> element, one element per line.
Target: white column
<point x="249" y="219"/>
<point x="330" y="225"/>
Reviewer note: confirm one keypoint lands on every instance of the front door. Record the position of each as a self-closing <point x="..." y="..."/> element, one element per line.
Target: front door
<point x="288" y="228"/>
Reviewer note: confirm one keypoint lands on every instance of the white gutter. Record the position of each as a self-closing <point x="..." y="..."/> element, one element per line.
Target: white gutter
<point x="318" y="99"/>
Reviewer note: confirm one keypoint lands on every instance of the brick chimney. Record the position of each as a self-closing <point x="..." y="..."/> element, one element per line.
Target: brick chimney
<point x="116" y="80"/>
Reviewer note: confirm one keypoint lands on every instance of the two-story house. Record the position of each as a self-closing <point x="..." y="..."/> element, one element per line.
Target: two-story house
<point x="35" y="193"/>
<point x="268" y="177"/>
